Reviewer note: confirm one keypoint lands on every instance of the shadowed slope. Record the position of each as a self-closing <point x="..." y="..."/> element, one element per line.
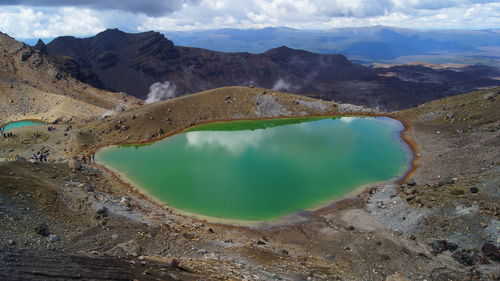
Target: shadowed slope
<point x="132" y="62"/>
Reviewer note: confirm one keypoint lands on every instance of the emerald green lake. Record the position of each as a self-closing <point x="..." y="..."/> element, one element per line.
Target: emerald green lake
<point x="19" y="124"/>
<point x="264" y="169"/>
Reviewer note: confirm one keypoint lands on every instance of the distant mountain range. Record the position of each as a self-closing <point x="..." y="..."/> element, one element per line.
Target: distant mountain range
<point x="364" y="44"/>
<point x="131" y="63"/>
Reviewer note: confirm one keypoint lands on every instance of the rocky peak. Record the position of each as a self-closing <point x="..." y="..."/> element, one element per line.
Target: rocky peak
<point x="305" y="59"/>
<point x="117" y="42"/>
<point x="109" y="35"/>
<point x="40" y="46"/>
<point x="110" y="32"/>
<point x="283" y="51"/>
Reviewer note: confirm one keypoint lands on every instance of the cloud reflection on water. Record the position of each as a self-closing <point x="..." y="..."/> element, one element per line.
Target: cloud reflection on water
<point x="348" y="119"/>
<point x="236" y="142"/>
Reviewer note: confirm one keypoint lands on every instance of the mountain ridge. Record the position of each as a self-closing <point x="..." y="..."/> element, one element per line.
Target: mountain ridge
<point x="131" y="63"/>
<point x="357" y="43"/>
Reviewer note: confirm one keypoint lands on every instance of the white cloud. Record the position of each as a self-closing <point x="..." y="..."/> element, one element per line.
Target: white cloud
<point x="149" y="7"/>
<point x="86" y="19"/>
<point x="326" y="14"/>
<point x="29" y="23"/>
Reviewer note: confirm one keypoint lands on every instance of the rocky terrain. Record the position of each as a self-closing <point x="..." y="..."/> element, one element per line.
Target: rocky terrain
<point x="131" y="63"/>
<point x="33" y="86"/>
<point x="436" y="227"/>
<point x="71" y="219"/>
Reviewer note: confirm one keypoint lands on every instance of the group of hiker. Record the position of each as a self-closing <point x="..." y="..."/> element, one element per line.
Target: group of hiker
<point x="4" y="133"/>
<point x="86" y="158"/>
<point x="90" y="158"/>
<point x="41" y="157"/>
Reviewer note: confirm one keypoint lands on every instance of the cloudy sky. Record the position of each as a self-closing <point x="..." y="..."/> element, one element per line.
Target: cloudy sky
<point x="25" y="19"/>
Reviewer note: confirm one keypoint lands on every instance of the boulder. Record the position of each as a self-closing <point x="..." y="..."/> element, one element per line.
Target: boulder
<point x="464" y="258"/>
<point x="42" y="229"/>
<point x="457" y="192"/>
<point x="445" y="181"/>
<point x="89" y="188"/>
<point x="53" y="238"/>
<point x="101" y="210"/>
<point x="491" y="251"/>
<point x="411" y="190"/>
<point x="398" y="232"/>
<point x="449" y="180"/>
<point x="411" y="182"/>
<point x="74" y="164"/>
<point x="125" y="201"/>
<point x="396" y="277"/>
<point x="489" y="96"/>
<point x="440" y="246"/>
<point x="130" y="248"/>
<point x="410" y="197"/>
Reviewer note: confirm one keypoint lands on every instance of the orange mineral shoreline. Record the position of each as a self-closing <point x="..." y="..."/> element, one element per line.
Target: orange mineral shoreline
<point x="246" y="224"/>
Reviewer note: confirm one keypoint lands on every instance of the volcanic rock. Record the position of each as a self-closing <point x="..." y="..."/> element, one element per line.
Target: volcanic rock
<point x="491" y="251"/>
<point x="130" y="248"/>
<point x="42" y="229"/>
<point x="440" y="246"/>
<point x="146" y="58"/>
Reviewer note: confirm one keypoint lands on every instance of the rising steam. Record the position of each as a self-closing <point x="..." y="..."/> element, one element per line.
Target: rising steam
<point x="161" y="91"/>
<point x="119" y="107"/>
<point x="282" y="85"/>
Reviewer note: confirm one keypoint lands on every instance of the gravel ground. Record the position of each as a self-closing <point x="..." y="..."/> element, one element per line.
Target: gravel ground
<point x="429" y="228"/>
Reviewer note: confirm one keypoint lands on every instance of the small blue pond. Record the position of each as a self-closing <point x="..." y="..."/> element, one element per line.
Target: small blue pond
<point x="19" y="124"/>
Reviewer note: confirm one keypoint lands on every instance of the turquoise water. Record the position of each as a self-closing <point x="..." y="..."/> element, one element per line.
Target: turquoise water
<point x="265" y="169"/>
<point x="19" y="124"/>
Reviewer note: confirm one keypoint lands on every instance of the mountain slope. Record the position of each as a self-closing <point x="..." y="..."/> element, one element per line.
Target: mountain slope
<point x="33" y="86"/>
<point x="131" y="63"/>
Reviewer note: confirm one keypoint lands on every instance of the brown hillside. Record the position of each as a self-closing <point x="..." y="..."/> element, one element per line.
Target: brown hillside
<point x="109" y="230"/>
<point x="33" y="87"/>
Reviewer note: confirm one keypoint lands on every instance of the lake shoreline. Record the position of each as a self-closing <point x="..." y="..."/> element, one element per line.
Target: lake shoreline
<point x="292" y="218"/>
<point x="2" y="125"/>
